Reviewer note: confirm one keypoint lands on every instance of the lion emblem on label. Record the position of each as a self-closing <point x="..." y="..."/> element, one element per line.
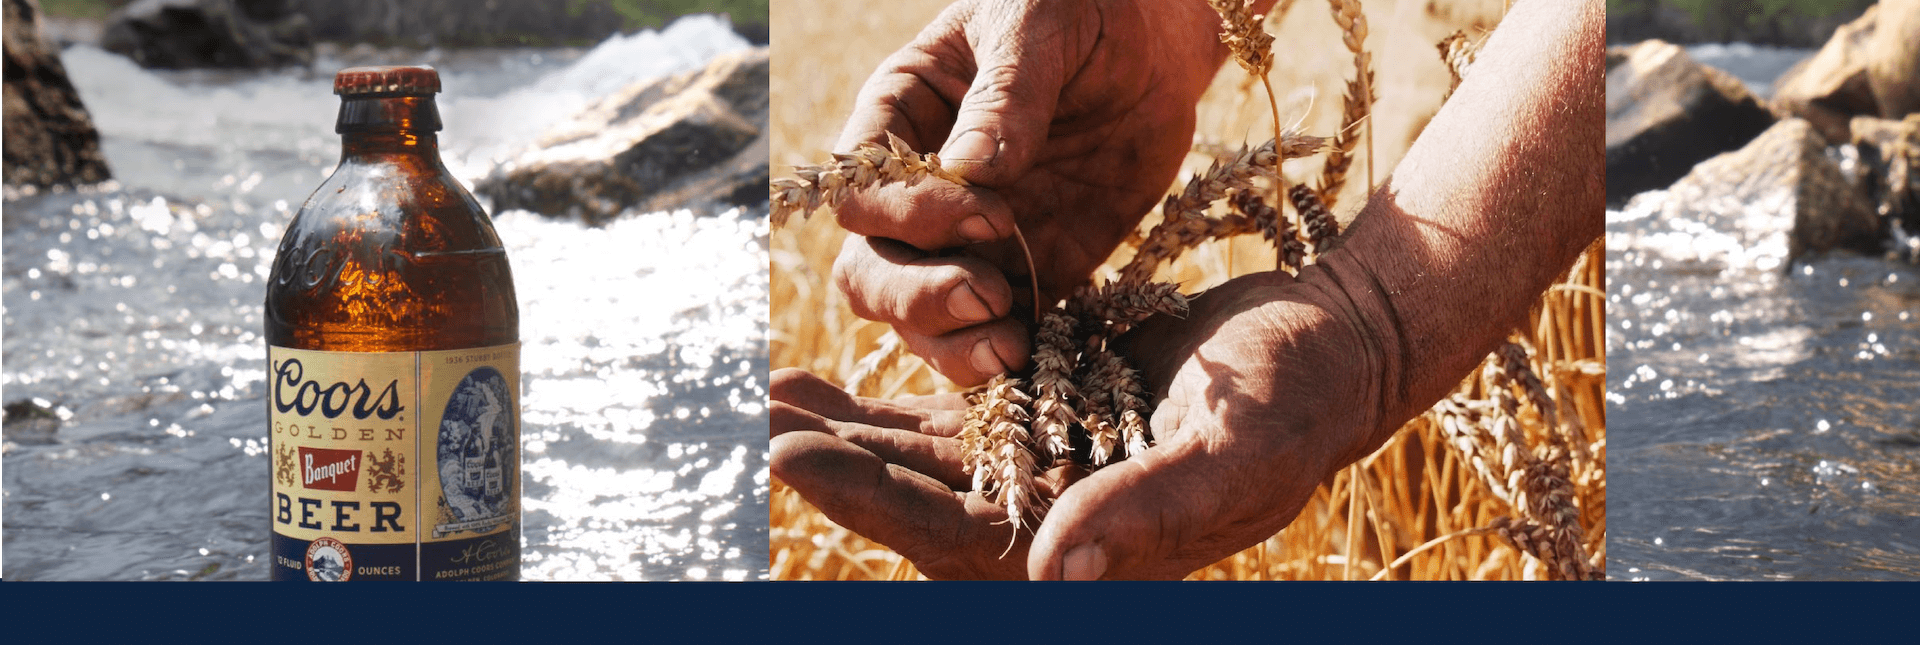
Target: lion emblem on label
<point x="478" y="454"/>
<point x="329" y="561"/>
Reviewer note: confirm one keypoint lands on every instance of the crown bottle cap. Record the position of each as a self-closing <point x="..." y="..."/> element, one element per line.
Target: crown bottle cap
<point x="392" y="80"/>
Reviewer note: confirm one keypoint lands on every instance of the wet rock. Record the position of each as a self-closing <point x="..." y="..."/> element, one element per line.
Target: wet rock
<point x="28" y="422"/>
<point x="693" y="139"/>
<point x="753" y="28"/>
<point x="178" y="34"/>
<point x="428" y="23"/>
<point x="1831" y="87"/>
<point x="1667" y="112"/>
<point x="1885" y="165"/>
<point x="1893" y="68"/>
<point x="1617" y="54"/>
<point x="490" y="23"/>
<point x="1787" y="167"/>
<point x="65" y="32"/>
<point x="50" y="139"/>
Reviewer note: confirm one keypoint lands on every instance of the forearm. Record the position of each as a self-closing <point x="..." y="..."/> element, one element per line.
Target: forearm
<point x="1500" y="194"/>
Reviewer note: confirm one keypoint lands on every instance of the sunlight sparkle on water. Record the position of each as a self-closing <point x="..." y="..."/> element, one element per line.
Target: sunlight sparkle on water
<point x="133" y="317"/>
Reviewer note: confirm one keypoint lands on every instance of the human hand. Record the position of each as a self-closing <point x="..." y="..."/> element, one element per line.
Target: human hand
<point x="1243" y="440"/>
<point x="1070" y="118"/>
<point x="1270" y="384"/>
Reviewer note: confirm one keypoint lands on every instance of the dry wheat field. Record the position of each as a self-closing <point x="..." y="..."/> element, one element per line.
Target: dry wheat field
<point x="1504" y="480"/>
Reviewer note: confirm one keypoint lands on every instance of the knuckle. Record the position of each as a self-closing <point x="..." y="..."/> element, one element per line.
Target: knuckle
<point x="849" y="277"/>
<point x="788" y="383"/>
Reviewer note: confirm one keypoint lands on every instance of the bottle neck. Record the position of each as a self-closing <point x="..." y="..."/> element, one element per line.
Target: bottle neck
<point x="388" y="124"/>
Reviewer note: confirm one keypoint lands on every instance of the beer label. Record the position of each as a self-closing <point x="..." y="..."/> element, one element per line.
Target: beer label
<point x="395" y="466"/>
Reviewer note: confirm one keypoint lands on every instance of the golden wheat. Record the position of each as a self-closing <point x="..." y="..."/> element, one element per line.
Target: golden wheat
<point x="1414" y="509"/>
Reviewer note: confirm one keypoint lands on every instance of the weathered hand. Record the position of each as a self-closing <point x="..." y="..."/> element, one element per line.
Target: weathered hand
<point x="1270" y="383"/>
<point x="1070" y="118"/>
<point x="1243" y="440"/>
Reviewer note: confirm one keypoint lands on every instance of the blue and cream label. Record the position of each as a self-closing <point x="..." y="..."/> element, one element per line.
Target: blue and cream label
<point x="401" y="465"/>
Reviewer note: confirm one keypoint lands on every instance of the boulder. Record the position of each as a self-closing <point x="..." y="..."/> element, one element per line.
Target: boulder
<point x="179" y="34"/>
<point x="1893" y="63"/>
<point x="500" y="23"/>
<point x="693" y="139"/>
<point x="28" y="422"/>
<point x="1667" y="112"/>
<point x="1831" y="87"/>
<point x="50" y="139"/>
<point x="1885" y="154"/>
<point x="1617" y="54"/>
<point x="1787" y="167"/>
<point x="486" y="23"/>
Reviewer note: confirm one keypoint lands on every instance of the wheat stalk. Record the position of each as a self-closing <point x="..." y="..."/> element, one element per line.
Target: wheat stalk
<point x="868" y="166"/>
<point x="998" y="455"/>
<point x="1419" y="485"/>
<point x="1251" y="46"/>
<point x="1353" y="25"/>
<point x="1537" y="481"/>
<point x="1054" y="361"/>
<point x="1184" y="222"/>
<point x="1458" y="52"/>
<point x="876" y="364"/>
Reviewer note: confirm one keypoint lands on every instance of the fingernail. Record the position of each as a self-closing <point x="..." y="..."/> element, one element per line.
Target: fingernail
<point x="966" y="306"/>
<point x="1085" y="562"/>
<point x="978" y="229"/>
<point x="973" y="145"/>
<point x="985" y="360"/>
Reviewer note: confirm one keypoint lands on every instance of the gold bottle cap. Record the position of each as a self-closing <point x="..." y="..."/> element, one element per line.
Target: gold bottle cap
<point x="393" y="79"/>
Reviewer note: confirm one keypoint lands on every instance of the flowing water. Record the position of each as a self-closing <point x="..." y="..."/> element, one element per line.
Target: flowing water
<point x="134" y="366"/>
<point x="1766" y="419"/>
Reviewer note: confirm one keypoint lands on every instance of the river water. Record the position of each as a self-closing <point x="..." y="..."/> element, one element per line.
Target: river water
<point x="134" y="365"/>
<point x="1765" y="420"/>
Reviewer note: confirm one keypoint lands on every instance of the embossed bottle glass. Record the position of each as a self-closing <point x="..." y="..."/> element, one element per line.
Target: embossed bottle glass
<point x="393" y="360"/>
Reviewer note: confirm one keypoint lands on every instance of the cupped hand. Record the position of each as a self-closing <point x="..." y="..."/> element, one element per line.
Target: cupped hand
<point x="1264" y="390"/>
<point x="1069" y="118"/>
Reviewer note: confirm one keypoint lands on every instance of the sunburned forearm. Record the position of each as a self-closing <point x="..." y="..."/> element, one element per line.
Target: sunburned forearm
<point x="1499" y="195"/>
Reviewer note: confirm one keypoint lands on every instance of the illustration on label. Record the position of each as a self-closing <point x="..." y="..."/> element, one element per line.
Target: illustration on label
<point x="329" y="561"/>
<point x="477" y="453"/>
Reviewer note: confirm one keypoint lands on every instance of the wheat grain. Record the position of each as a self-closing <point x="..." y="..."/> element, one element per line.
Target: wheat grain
<point x="1515" y="363"/>
<point x="1458" y="51"/>
<point x="1353" y="27"/>
<point x="1184" y="222"/>
<point x="1055" y="358"/>
<point x="1317" y="224"/>
<point x="1426" y="507"/>
<point x="868" y="166"/>
<point x="1122" y="305"/>
<point x="876" y="363"/>
<point x="1251" y="46"/>
<point x="1356" y="105"/>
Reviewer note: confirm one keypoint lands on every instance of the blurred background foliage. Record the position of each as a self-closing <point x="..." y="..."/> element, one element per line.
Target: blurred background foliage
<point x="1803" y="23"/>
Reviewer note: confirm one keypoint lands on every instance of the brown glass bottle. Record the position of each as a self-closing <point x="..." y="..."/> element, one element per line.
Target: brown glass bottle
<point x="393" y="359"/>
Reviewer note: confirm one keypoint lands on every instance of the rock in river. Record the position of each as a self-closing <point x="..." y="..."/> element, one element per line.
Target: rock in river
<point x="50" y="139"/>
<point x="1787" y="167"/>
<point x="1867" y="68"/>
<point x="178" y="34"/>
<point x="1667" y="112"/>
<point x="1894" y="70"/>
<point x="1883" y="160"/>
<point x="697" y="138"/>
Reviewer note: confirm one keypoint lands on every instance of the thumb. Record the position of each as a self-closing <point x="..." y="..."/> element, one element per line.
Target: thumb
<point x="1139" y="518"/>
<point x="1003" y="119"/>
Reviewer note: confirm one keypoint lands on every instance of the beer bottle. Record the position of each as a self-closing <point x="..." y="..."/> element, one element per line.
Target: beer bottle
<point x="393" y="360"/>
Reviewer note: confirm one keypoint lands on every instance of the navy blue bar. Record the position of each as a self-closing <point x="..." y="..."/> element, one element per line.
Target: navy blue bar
<point x="972" y="612"/>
